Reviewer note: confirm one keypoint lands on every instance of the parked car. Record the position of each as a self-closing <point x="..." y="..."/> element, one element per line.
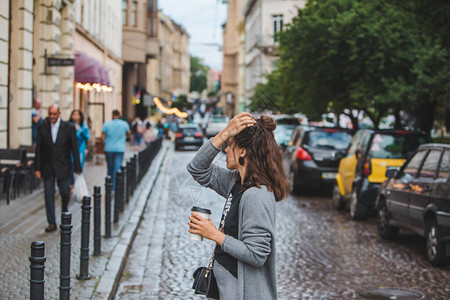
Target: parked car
<point x="216" y="124"/>
<point x="188" y="135"/>
<point x="363" y="168"/>
<point x="417" y="197"/>
<point x="314" y="154"/>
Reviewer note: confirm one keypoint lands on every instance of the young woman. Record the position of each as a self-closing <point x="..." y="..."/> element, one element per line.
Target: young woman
<point x="244" y="265"/>
<point x="82" y="131"/>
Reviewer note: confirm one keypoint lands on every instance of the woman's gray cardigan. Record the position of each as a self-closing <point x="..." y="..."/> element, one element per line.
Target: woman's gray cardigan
<point x="255" y="246"/>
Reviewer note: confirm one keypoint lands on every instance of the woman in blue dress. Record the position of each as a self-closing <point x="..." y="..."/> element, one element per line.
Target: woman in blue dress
<point x="83" y="135"/>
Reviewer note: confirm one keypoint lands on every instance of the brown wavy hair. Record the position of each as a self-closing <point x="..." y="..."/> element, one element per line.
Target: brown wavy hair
<point x="265" y="159"/>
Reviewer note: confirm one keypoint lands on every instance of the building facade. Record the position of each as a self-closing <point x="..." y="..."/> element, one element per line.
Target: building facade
<point x="174" y="58"/>
<point x="233" y="35"/>
<point x="33" y="32"/>
<point x="264" y="19"/>
<point x="97" y="39"/>
<point x="140" y="49"/>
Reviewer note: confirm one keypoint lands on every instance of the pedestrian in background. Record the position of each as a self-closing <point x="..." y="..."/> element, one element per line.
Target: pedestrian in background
<point x="36" y="118"/>
<point x="83" y="135"/>
<point x="114" y="135"/>
<point x="245" y="255"/>
<point x="137" y="130"/>
<point x="56" y="141"/>
<point x="149" y="133"/>
<point x="82" y="132"/>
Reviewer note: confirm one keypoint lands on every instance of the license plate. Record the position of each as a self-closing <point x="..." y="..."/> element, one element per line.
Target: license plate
<point x="328" y="175"/>
<point x="189" y="138"/>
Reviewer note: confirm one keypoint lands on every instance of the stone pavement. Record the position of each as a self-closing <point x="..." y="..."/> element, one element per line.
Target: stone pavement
<point x="23" y="222"/>
<point x="321" y="254"/>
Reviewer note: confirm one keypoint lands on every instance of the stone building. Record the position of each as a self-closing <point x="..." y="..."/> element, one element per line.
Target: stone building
<point x="97" y="41"/>
<point x="174" y="58"/>
<point x="33" y="31"/>
<point x="140" y="47"/>
<point x="233" y="53"/>
<point x="263" y="20"/>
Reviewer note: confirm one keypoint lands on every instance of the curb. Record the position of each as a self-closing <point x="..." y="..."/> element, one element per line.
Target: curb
<point x="109" y="281"/>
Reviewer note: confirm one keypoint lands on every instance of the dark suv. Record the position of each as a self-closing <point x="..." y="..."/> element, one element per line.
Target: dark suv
<point x="314" y="154"/>
<point x="417" y="197"/>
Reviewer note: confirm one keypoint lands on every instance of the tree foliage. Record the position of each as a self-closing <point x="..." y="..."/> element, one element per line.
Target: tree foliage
<point x="370" y="56"/>
<point x="198" y="75"/>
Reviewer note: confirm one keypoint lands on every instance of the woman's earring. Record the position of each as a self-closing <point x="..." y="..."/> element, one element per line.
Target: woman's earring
<point x="241" y="160"/>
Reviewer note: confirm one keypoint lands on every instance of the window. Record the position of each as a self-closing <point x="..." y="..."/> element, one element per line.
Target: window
<point x="134" y="13"/>
<point x="430" y="165"/>
<point x="124" y="12"/>
<point x="444" y="168"/>
<point x="414" y="164"/>
<point x="394" y="146"/>
<point x="354" y="144"/>
<point x="277" y="26"/>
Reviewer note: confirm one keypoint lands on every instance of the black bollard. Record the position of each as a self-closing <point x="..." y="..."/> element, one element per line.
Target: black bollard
<point x="64" y="267"/>
<point x="108" y="190"/>
<point x="37" y="266"/>
<point x="97" y="221"/>
<point x="117" y="195"/>
<point x="84" y="253"/>
<point x="129" y="181"/>
<point x="124" y="186"/>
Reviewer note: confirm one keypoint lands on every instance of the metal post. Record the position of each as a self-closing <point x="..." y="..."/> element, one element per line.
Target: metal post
<point x="124" y="188"/>
<point x="108" y="189"/>
<point x="84" y="253"/>
<point x="118" y="194"/>
<point x="66" y="244"/>
<point x="137" y="169"/>
<point x="129" y="181"/>
<point x="37" y="260"/>
<point x="97" y="221"/>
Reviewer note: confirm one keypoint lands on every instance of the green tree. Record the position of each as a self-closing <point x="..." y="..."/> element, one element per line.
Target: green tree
<point x="346" y="55"/>
<point x="198" y="75"/>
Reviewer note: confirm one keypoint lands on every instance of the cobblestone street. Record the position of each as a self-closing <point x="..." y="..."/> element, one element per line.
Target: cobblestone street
<point x="321" y="253"/>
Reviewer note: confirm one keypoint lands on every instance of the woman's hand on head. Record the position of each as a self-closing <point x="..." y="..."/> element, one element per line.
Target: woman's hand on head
<point x="239" y="123"/>
<point x="205" y="227"/>
<point x="236" y="125"/>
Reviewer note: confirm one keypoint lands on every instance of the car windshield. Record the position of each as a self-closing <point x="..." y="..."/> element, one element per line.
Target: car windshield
<point x="219" y="119"/>
<point x="190" y="130"/>
<point x="394" y="145"/>
<point x="329" y="139"/>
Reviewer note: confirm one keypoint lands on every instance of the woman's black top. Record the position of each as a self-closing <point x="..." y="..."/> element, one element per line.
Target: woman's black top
<point x="231" y="217"/>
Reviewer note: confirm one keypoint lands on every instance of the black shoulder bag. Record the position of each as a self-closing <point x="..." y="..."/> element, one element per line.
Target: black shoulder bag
<point x="204" y="280"/>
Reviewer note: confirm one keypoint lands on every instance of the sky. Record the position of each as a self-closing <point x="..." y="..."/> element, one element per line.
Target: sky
<point x="203" y="20"/>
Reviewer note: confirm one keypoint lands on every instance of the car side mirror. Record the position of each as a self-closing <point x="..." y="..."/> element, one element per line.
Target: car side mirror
<point x="392" y="173"/>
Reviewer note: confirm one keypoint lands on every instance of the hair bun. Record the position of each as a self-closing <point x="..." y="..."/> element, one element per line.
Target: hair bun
<point x="268" y="123"/>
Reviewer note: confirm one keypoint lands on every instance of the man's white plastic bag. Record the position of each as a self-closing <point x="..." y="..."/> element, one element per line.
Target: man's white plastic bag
<point x="80" y="188"/>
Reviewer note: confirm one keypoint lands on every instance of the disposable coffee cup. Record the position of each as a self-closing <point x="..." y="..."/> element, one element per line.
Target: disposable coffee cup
<point x="204" y="213"/>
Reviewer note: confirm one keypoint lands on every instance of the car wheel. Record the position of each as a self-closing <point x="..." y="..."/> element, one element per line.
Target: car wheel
<point x="358" y="210"/>
<point x="385" y="230"/>
<point x="177" y="148"/>
<point x="295" y="188"/>
<point x="338" y="202"/>
<point x="435" y="246"/>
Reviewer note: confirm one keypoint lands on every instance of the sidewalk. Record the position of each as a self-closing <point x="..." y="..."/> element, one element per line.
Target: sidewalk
<point x="24" y="220"/>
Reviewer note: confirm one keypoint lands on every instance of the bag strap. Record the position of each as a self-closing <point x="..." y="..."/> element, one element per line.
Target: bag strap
<point x="211" y="260"/>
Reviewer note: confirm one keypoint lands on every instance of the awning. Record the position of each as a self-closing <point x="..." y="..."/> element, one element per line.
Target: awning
<point x="89" y="70"/>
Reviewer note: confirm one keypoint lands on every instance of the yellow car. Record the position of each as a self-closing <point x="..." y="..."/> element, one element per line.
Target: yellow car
<point x="363" y="168"/>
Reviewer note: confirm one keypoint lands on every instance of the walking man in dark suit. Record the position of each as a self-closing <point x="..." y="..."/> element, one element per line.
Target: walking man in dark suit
<point x="56" y="140"/>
